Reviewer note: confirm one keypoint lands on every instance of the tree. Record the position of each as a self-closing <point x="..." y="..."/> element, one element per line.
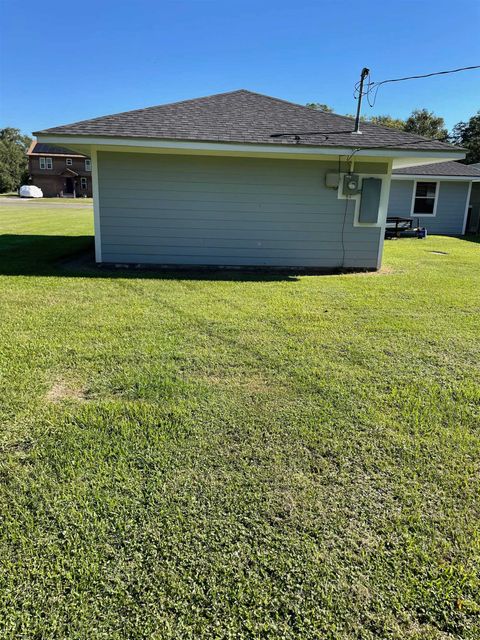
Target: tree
<point x="387" y="121"/>
<point x="13" y="159"/>
<point x="426" y="123"/>
<point x="467" y="134"/>
<point x="382" y="121"/>
<point x="318" y="106"/>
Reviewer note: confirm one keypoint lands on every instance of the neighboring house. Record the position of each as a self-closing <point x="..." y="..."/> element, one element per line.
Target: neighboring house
<point x="438" y="196"/>
<point x="242" y="179"/>
<point x="59" y="171"/>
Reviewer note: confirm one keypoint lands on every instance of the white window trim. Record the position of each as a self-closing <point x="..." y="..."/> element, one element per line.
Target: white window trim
<point x="42" y="163"/>
<point x="435" y="203"/>
<point x="83" y="182"/>
<point x="49" y="161"/>
<point x="89" y="162"/>
<point x="68" y="162"/>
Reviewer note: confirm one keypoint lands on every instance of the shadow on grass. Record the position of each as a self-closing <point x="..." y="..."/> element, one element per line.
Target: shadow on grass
<point x="73" y="257"/>
<point x="470" y="237"/>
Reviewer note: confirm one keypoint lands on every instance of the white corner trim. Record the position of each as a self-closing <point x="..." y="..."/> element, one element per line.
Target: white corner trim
<point x="382" y="209"/>
<point x="96" y="206"/>
<point x="467" y="205"/>
<point x="435" y="204"/>
<point x="383" y="212"/>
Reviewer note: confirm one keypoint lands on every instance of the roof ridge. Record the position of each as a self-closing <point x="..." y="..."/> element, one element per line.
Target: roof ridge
<point x="214" y="95"/>
<point x="143" y="109"/>
<point x="338" y="115"/>
<point x="298" y="105"/>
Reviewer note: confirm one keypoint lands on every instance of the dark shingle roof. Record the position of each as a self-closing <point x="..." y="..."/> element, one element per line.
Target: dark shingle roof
<point x="246" y="117"/>
<point x="440" y="169"/>
<point x="53" y="149"/>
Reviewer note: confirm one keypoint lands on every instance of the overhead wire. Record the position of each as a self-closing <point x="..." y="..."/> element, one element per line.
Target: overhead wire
<point x="373" y="87"/>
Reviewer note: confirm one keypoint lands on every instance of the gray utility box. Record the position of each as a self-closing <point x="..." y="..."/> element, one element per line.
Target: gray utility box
<point x="370" y="200"/>
<point x="351" y="184"/>
<point x="332" y="180"/>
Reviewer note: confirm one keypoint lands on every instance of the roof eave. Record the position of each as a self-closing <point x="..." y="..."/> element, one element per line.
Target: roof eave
<point x="405" y="157"/>
<point x="428" y="176"/>
<point x="57" y="155"/>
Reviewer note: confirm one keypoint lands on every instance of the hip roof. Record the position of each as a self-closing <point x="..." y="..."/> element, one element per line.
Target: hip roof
<point x="246" y="117"/>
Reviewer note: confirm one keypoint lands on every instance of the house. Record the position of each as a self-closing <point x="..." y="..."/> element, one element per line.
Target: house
<point x="59" y="171"/>
<point x="436" y="196"/>
<point x="242" y="179"/>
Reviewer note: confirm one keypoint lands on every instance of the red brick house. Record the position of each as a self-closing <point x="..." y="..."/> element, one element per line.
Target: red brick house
<point x="59" y="171"/>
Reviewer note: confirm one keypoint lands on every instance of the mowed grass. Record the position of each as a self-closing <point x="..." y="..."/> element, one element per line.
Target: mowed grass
<point x="237" y="456"/>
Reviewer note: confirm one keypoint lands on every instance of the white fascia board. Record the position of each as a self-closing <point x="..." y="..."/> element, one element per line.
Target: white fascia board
<point x="148" y="145"/>
<point x="418" y="161"/>
<point x="433" y="178"/>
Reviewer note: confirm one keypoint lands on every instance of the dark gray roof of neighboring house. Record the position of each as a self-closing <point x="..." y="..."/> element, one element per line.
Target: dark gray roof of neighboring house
<point x="440" y="169"/>
<point x="246" y="117"/>
<point x="52" y="149"/>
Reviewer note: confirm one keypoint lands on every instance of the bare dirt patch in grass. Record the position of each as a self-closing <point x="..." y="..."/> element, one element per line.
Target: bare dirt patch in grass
<point x="62" y="390"/>
<point x="18" y="446"/>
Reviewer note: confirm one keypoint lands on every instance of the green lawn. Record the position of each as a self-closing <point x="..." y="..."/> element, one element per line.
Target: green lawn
<point x="237" y="456"/>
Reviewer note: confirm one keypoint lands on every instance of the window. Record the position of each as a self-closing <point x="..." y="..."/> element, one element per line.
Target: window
<point x="425" y="197"/>
<point x="88" y="164"/>
<point x="83" y="183"/>
<point x="69" y="162"/>
<point x="46" y="163"/>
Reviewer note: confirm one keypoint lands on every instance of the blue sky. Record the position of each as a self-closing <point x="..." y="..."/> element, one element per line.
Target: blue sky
<point x="68" y="61"/>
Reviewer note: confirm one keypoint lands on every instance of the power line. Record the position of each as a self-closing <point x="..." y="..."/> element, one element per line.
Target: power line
<point x="375" y="86"/>
<point x="428" y="75"/>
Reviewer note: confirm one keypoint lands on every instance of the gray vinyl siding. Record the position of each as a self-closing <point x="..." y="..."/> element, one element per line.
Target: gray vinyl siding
<point x="199" y="210"/>
<point x="452" y="200"/>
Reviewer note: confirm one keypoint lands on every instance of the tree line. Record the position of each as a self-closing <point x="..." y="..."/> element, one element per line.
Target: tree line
<point x="426" y="123"/>
<point x="14" y="145"/>
<point x="13" y="159"/>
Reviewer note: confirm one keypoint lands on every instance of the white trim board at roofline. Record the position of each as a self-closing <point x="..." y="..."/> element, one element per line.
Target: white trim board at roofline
<point x="427" y="178"/>
<point x="58" y="155"/>
<point x="146" y="145"/>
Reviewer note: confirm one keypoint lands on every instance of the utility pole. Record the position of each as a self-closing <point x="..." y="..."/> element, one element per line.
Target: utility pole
<point x="363" y="75"/>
